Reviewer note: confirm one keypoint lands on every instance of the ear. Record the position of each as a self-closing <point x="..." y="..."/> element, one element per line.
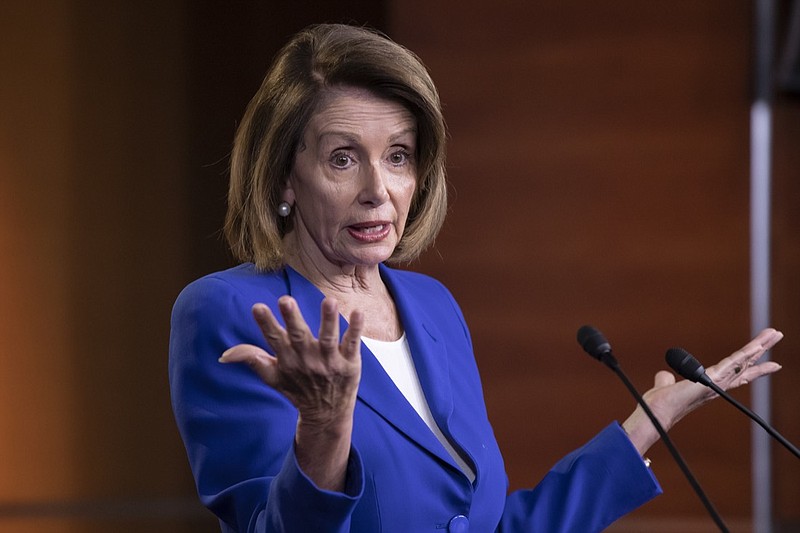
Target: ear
<point x="288" y="192"/>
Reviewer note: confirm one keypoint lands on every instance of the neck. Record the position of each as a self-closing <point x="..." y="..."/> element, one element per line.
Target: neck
<point x="354" y="287"/>
<point x="340" y="281"/>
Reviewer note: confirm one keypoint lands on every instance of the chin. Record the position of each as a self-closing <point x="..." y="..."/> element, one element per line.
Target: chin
<point x="372" y="257"/>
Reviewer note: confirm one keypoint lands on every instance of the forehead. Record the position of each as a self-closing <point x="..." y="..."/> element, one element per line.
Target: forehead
<point x="359" y="112"/>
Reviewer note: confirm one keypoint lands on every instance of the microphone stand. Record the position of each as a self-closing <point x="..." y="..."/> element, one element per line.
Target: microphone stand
<point x="769" y="429"/>
<point x="690" y="368"/>
<point x="611" y="362"/>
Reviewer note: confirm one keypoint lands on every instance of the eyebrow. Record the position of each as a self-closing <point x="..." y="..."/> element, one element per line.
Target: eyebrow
<point x="412" y="130"/>
<point x="349" y="137"/>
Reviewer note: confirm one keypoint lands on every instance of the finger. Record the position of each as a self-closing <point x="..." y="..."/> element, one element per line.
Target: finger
<point x="351" y="340"/>
<point x="296" y="327"/>
<point x="765" y="340"/>
<point x="262" y="363"/>
<point x="271" y="329"/>
<point x="747" y="355"/>
<point x="664" y="379"/>
<point x="773" y="337"/>
<point x="756" y="371"/>
<point x="329" y="328"/>
<point x="754" y="349"/>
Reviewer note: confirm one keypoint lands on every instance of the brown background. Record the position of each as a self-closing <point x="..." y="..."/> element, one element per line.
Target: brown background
<point x="599" y="170"/>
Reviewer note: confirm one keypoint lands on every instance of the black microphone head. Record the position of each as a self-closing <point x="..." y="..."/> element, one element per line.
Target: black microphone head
<point x="593" y="342"/>
<point x="685" y="364"/>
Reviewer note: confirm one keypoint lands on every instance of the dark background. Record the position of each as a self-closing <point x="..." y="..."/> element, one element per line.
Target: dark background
<point x="599" y="169"/>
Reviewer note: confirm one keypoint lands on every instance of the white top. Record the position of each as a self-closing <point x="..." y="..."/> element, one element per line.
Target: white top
<point x="395" y="357"/>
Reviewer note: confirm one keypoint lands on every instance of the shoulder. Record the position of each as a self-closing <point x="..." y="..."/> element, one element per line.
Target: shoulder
<point x="421" y="289"/>
<point x="414" y="281"/>
<point x="213" y="313"/>
<point x="243" y="279"/>
<point x="238" y="287"/>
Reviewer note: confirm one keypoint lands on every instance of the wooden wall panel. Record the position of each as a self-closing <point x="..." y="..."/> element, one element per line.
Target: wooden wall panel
<point x="113" y="119"/>
<point x="599" y="169"/>
<point x="36" y="374"/>
<point x="786" y="303"/>
<point x="599" y="164"/>
<point x="93" y="136"/>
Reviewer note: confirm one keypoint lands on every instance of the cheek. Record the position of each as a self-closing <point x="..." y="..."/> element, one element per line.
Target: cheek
<point x="328" y="207"/>
<point x="409" y="195"/>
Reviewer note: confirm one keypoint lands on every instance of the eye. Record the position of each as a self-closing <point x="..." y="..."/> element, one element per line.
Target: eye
<point x="341" y="160"/>
<point x="400" y="157"/>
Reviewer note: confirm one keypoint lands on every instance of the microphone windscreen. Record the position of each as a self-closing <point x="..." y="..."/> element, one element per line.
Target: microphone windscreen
<point x="685" y="364"/>
<point x="593" y="342"/>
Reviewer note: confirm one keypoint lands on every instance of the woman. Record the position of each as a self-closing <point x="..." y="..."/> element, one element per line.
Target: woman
<point x="337" y="169"/>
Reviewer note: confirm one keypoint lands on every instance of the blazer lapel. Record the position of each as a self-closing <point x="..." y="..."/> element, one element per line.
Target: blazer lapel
<point x="429" y="353"/>
<point x="428" y="350"/>
<point x="376" y="389"/>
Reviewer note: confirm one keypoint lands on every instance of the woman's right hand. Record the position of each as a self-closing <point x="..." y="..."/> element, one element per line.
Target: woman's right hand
<point x="320" y="376"/>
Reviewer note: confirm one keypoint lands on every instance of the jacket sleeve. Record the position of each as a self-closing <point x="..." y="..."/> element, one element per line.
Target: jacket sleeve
<point x="585" y="491"/>
<point x="239" y="432"/>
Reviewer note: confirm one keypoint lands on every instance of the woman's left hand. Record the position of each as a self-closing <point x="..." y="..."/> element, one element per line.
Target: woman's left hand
<point x="670" y="400"/>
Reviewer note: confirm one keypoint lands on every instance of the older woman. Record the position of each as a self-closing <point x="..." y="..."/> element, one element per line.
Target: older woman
<point x="360" y="407"/>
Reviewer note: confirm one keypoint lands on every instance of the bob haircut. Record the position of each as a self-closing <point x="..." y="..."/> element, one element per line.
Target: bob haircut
<point x="316" y="59"/>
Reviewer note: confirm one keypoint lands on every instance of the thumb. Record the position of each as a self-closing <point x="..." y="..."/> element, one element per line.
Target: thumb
<point x="664" y="379"/>
<point x="261" y="362"/>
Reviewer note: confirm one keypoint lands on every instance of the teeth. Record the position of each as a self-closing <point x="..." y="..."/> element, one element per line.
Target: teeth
<point x="371" y="229"/>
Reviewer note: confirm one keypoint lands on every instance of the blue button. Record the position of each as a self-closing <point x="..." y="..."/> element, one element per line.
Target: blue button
<point x="458" y="524"/>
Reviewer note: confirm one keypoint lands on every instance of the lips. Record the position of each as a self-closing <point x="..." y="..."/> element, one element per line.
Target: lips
<point x="369" y="232"/>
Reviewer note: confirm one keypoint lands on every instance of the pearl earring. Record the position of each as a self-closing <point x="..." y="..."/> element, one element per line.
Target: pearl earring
<point x="284" y="209"/>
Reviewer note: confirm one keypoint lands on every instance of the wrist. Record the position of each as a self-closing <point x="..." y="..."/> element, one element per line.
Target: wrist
<point x="322" y="453"/>
<point x="641" y="431"/>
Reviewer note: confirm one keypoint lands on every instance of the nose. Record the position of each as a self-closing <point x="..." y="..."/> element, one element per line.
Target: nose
<point x="373" y="190"/>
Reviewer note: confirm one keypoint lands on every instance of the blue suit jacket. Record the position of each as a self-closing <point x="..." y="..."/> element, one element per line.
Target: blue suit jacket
<point x="239" y="432"/>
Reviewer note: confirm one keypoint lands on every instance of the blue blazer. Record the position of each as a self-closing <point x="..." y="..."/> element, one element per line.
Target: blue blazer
<point x="239" y="432"/>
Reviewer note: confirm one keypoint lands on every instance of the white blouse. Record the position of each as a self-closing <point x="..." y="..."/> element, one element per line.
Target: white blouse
<point x="395" y="357"/>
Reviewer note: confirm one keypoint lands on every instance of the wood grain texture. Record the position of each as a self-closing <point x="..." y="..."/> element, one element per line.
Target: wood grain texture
<point x="600" y="170"/>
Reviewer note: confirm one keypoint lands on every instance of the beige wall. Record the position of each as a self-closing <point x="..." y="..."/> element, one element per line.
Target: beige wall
<point x="599" y="167"/>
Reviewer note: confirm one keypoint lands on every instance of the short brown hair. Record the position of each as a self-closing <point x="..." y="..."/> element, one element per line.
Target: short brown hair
<point x="318" y="58"/>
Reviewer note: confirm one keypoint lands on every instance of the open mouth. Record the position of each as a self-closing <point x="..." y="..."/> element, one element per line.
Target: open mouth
<point x="369" y="232"/>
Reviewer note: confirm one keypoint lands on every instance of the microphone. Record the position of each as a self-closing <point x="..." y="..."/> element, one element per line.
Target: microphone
<point x="690" y="368"/>
<point x="595" y="344"/>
